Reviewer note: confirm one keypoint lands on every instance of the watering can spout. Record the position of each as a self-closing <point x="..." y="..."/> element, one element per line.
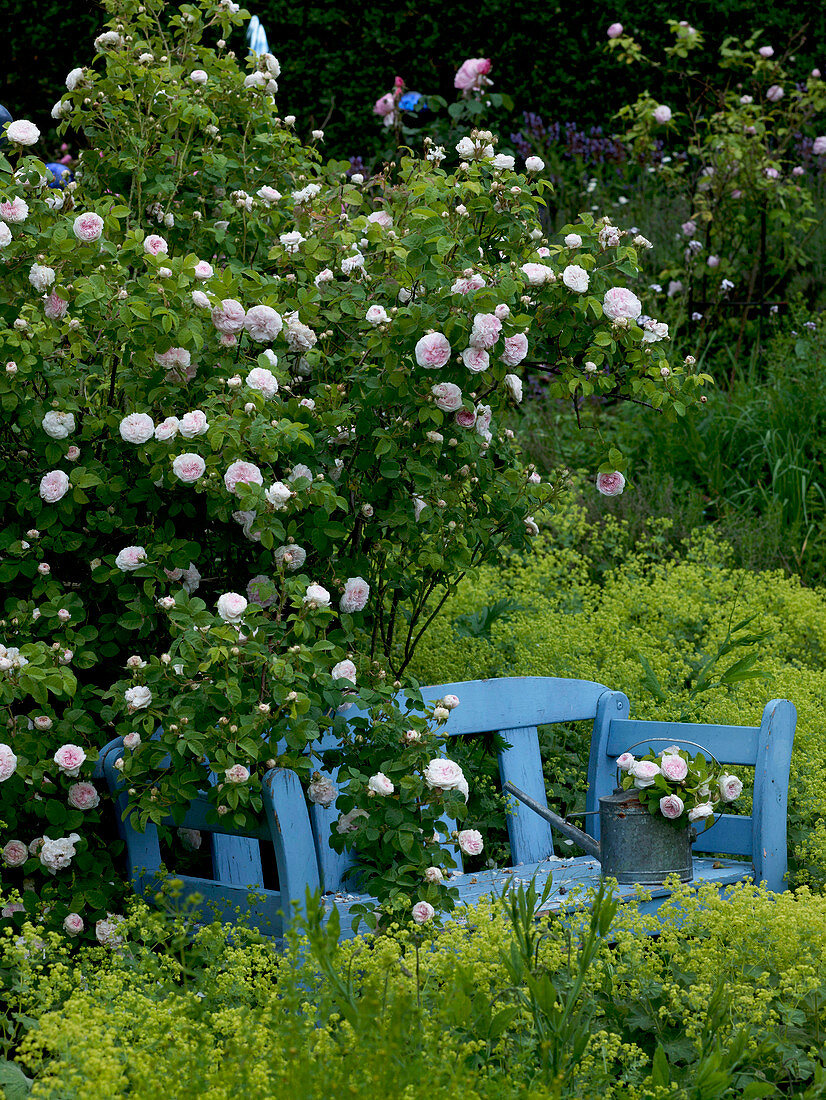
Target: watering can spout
<point x="587" y="843"/>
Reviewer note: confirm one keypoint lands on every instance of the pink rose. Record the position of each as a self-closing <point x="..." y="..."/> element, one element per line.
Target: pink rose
<point x="470" y="841"/>
<point x="730" y="787"/>
<point x="472" y="74"/>
<point x="448" y="396"/>
<point x="188" y="467"/>
<point x="130" y="558"/>
<point x="14" y="210"/>
<point x="674" y="768"/>
<point x="263" y="323"/>
<point x="516" y="348"/>
<point x="137" y="428"/>
<point x="132" y="740"/>
<point x="451" y="702"/>
<point x="344" y="670"/>
<point x="8" y="763"/>
<point x="701" y="812"/>
<point x="625" y="761"/>
<point x="231" y="607"/>
<point x="379" y="784"/>
<point x="610" y="485"/>
<point x="242" y="473"/>
<point x="355" y="595"/>
<point x="347" y="823"/>
<point x="263" y="380"/>
<point x="662" y="114"/>
<point x="237" y="774"/>
<point x="73" y="453"/>
<point x="432" y="351"/>
<point x="377" y="315"/>
<point x="774" y="94"/>
<point x="73" y="924"/>
<point x="644" y="772"/>
<point x="167" y="429"/>
<point x="69" y="758"/>
<point x="380" y="217"/>
<point x="819" y="146"/>
<point x="766" y="51"/>
<point x="485" y="331"/>
<point x="445" y="775"/>
<point x="467" y="284"/>
<point x="619" y="302"/>
<point x="88" y="227"/>
<point x="465" y="418"/>
<point x="22" y="132"/>
<point x="54" y="486"/>
<point x="203" y="271"/>
<point x="229" y="316"/>
<point x="615" y="30"/>
<point x="193" y="424"/>
<point x="322" y="791"/>
<point x="384" y="106"/>
<point x="422" y="912"/>
<point x="476" y="359"/>
<point x="15" y="853"/>
<point x="671" y="806"/>
<point x="154" y="245"/>
<point x="689" y="228"/>
<point x="107" y="932"/>
<point x="174" y="357"/>
<point x="83" y="796"/>
<point x="434" y="874"/>
<point x="55" y="306"/>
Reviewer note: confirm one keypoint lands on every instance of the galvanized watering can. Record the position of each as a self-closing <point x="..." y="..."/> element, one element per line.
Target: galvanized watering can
<point x="636" y="846"/>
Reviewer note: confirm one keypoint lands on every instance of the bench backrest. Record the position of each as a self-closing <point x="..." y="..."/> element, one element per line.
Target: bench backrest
<point x="761" y="836"/>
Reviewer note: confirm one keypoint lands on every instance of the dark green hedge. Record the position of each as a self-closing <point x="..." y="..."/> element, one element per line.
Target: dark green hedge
<point x="338" y="56"/>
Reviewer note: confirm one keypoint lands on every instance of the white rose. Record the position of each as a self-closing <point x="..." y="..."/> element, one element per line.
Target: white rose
<point x="380" y="784"/>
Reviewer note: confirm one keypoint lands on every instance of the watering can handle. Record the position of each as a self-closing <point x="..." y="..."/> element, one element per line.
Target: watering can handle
<point x="559" y="823"/>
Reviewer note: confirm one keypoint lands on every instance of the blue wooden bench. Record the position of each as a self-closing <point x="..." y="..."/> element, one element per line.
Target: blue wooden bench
<point x="743" y="846"/>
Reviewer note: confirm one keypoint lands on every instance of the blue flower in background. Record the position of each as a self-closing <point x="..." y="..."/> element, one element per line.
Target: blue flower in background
<point x="4" y="118"/>
<point x="413" y="101"/>
<point x="60" y="175"/>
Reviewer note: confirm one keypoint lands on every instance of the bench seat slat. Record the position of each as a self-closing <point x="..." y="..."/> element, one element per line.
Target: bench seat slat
<point x="730" y="744"/>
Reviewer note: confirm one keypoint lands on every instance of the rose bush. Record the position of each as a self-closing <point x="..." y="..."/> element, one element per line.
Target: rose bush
<point x="230" y="495"/>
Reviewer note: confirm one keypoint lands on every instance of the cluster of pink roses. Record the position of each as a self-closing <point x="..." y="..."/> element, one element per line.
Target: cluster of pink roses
<point x="678" y="784"/>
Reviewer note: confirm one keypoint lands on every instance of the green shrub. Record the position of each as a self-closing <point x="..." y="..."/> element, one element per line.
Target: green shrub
<point x="591" y="603"/>
<point x="727" y="997"/>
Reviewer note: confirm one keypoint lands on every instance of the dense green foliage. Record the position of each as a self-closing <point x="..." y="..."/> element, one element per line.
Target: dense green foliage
<point x="726" y="1002"/>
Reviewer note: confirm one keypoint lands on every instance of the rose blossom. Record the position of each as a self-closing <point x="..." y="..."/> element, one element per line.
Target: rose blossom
<point x="43" y="721"/>
<point x="203" y="271"/>
<point x="344" y="670"/>
<point x="534" y="164"/>
<point x="237" y="774"/>
<point x="263" y="323"/>
<point x="83" y="796"/>
<point x="193" y="424"/>
<point x="700" y="812"/>
<point x="242" y="473"/>
<point x="107" y="932"/>
<point x="485" y="331"/>
<point x="88" y="227"/>
<point x="465" y="418"/>
<point x="55" y="306"/>
<point x="423" y="912"/>
<point x="131" y="740"/>
<point x="615" y="30"/>
<point x="15" y="210"/>
<point x="229" y="316"/>
<point x="188" y="467"/>
<point x="448" y="396"/>
<point x="644" y="772"/>
<point x="41" y="277"/>
<point x="516" y="348"/>
<point x="674" y="768"/>
<point x="432" y="351"/>
<point x="5" y="240"/>
<point x="263" y="380"/>
<point x="730" y="787"/>
<point x="467" y="284"/>
<point x="355" y="596"/>
<point x="347" y="822"/>
<point x="56" y="855"/>
<point x="537" y="274"/>
<point x="620" y="302"/>
<point x="154" y="245"/>
<point x="377" y="315"/>
<point x="513" y="384"/>
<point x="137" y="428"/>
<point x="774" y="94"/>
<point x="662" y="114"/>
<point x="173" y="358"/>
<point x="8" y="762"/>
<point x="73" y="924"/>
<point x="138" y="697"/>
<point x="69" y="758"/>
<point x="476" y="359"/>
<point x="291" y="556"/>
<point x="380" y="784"/>
<point x="610" y="485"/>
<point x="473" y="74"/>
<point x="278" y="495"/>
<point x="231" y="607"/>
<point x="15" y="853"/>
<point x="316" y="596"/>
<point x="445" y="775"/>
<point x="819" y="146"/>
<point x="22" y="132"/>
<point x="671" y="806"/>
<point x="470" y="841"/>
<point x="54" y="486"/>
<point x="58" y="425"/>
<point x="322" y="791"/>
